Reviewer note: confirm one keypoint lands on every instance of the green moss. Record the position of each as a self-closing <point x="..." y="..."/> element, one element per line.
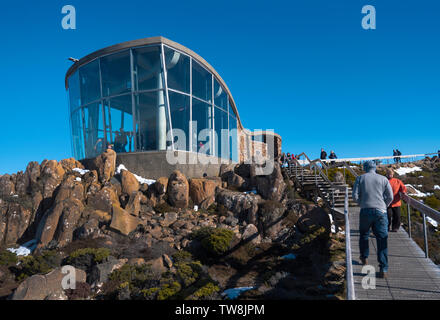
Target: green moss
<point x="150" y="293"/>
<point x="163" y="207"/>
<point x="214" y="241"/>
<point x="207" y="290"/>
<point x="188" y="272"/>
<point x="30" y="266"/>
<point x="433" y="202"/>
<point x="169" y="290"/>
<point x="8" y="258"/>
<point x="134" y="276"/>
<point x="182" y="256"/>
<point x="98" y="254"/>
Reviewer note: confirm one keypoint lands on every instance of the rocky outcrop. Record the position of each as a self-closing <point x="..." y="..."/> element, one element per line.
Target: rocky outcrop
<point x="105" y="165"/>
<point x="122" y="221"/>
<point x="178" y="190"/>
<point x="129" y="182"/>
<point x="244" y="206"/>
<point x="46" y="287"/>
<point x="203" y="191"/>
<point x="271" y="187"/>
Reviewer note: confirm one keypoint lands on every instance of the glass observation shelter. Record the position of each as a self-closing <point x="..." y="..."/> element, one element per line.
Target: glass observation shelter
<point x="134" y="94"/>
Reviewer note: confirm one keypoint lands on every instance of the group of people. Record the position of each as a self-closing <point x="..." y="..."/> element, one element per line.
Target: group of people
<point x="324" y="154"/>
<point x="379" y="200"/>
<point x="396" y="154"/>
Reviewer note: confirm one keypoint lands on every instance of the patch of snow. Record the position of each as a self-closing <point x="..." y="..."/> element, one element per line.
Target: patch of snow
<point x="436" y="187"/>
<point x="233" y="293"/>
<point x="417" y="192"/>
<point x="81" y="171"/>
<point x="403" y="170"/>
<point x="289" y="256"/>
<point x="78" y="179"/>
<point x="196" y="208"/>
<point x="432" y="221"/>
<point x="25" y="249"/>
<point x="141" y="180"/>
<point x="15" y="195"/>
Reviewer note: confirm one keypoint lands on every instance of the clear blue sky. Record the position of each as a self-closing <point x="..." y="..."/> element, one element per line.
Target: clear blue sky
<point x="303" y="68"/>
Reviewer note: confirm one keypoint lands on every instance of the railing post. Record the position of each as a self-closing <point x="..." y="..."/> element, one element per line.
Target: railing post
<point x="409" y="219"/>
<point x="425" y="236"/>
<point x="333" y="199"/>
<point x="316" y="178"/>
<point x="348" y="260"/>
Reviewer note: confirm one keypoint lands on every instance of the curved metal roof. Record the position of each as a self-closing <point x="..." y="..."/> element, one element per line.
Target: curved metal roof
<point x="149" y="41"/>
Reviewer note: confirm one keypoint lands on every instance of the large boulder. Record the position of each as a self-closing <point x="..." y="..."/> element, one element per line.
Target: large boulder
<point x="178" y="190"/>
<point x="129" y="182"/>
<point x="46" y="287"/>
<point x="244" y="206"/>
<point x="272" y="186"/>
<point x="271" y="218"/>
<point x="105" y="165"/>
<point x="251" y="234"/>
<point x="70" y="164"/>
<point x="314" y="218"/>
<point x="122" y="221"/>
<point x="202" y="189"/>
<point x="14" y="220"/>
<point x="7" y="186"/>
<point x="51" y="176"/>
<point x="234" y="180"/>
<point x="160" y="186"/>
<point x="100" y="272"/>
<point x="103" y="200"/>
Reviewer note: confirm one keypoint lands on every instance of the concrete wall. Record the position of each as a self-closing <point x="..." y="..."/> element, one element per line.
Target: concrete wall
<point x="154" y="164"/>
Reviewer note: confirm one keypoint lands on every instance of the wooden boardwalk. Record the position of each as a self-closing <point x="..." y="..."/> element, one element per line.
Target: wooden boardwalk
<point x="410" y="276"/>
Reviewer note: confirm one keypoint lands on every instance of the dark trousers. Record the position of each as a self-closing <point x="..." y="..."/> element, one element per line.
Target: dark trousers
<point x="393" y="218"/>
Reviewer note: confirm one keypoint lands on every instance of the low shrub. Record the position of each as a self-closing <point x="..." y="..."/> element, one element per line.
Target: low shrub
<point x="214" y="241"/>
<point x="8" y="258"/>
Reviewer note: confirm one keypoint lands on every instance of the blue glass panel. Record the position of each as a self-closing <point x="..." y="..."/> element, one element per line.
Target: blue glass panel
<point x="94" y="130"/>
<point x="147" y="68"/>
<point x="201" y="82"/>
<point x="89" y="82"/>
<point x="178" y="71"/>
<point x="201" y="119"/>
<point x="77" y="134"/>
<point x="221" y="133"/>
<point x="220" y="96"/>
<point x="115" y="72"/>
<point x="74" y="92"/>
<point x="180" y="118"/>
<point x="233" y="139"/>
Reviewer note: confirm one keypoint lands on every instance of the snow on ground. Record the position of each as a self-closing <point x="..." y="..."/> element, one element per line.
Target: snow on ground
<point x="417" y="193"/>
<point x="436" y="187"/>
<point x="25" y="249"/>
<point x="233" y="293"/>
<point x="82" y="171"/>
<point x="78" y="179"/>
<point x="289" y="256"/>
<point x="403" y="170"/>
<point x="432" y="221"/>
<point x="141" y="180"/>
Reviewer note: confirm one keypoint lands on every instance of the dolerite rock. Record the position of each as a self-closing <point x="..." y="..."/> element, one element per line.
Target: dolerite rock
<point x="160" y="185"/>
<point x="314" y="218"/>
<point x="7" y="187"/>
<point x="89" y="230"/>
<point x="122" y="221"/>
<point x="178" y="190"/>
<point x="271" y="187"/>
<point x="14" y="220"/>
<point x="100" y="272"/>
<point x="244" y="206"/>
<point x="32" y="174"/>
<point x="225" y="168"/>
<point x="134" y="203"/>
<point x="129" y="182"/>
<point x="103" y="200"/>
<point x="51" y="176"/>
<point x="70" y="164"/>
<point x="60" y="221"/>
<point x="251" y="234"/>
<point x="105" y="165"/>
<point x="202" y="189"/>
<point x="169" y="219"/>
<point x="45" y="287"/>
<point x="271" y="218"/>
<point x="234" y="180"/>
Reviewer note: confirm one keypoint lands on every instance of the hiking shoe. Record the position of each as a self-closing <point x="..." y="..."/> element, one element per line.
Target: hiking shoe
<point x="364" y="261"/>
<point x="383" y="275"/>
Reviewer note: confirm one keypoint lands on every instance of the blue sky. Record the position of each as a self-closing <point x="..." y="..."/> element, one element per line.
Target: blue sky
<point x="303" y="68"/>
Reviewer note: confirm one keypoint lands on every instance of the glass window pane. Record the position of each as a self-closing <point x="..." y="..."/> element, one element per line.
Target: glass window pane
<point x="89" y="82"/>
<point x="115" y="72"/>
<point x="201" y="120"/>
<point x="77" y="134"/>
<point x="233" y="139"/>
<point x="180" y="118"/>
<point x="177" y="70"/>
<point x="201" y="82"/>
<point x="94" y="130"/>
<point x="221" y="131"/>
<point x="147" y="68"/>
<point x="74" y="93"/>
<point x="119" y="123"/>
<point x="231" y="112"/>
<point x="152" y="122"/>
<point x="220" y="96"/>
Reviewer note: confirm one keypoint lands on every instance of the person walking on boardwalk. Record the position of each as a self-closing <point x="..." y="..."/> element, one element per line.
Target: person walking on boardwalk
<point x="395" y="155"/>
<point x="399" y="160"/>
<point x="323" y="154"/>
<point x="374" y="194"/>
<point x="394" y="208"/>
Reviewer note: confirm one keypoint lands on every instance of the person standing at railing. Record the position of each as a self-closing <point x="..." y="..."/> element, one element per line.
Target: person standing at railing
<point x="374" y="194"/>
<point x="394" y="208"/>
<point x="399" y="160"/>
<point x="323" y="154"/>
<point x="395" y="156"/>
<point x="332" y="156"/>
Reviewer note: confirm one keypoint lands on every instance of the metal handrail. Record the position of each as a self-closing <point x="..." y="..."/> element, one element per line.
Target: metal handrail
<point x="425" y="211"/>
<point x="348" y="260"/>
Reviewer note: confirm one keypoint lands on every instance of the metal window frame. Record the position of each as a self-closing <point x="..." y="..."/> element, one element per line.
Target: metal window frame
<point x="167" y="100"/>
